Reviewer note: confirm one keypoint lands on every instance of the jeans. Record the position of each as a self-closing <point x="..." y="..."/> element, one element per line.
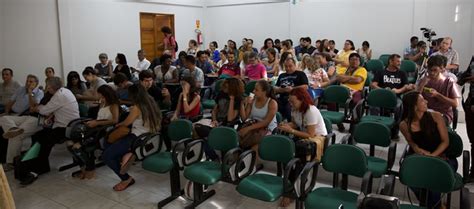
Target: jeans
<point x="114" y="152"/>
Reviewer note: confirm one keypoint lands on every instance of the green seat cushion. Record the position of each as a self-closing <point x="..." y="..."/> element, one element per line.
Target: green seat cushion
<point x="411" y="79"/>
<point x="387" y="121"/>
<point x="326" y="197"/>
<point x="161" y="162"/>
<point x="334" y="117"/>
<point x="377" y="166"/>
<point x="402" y="206"/>
<point x="262" y="187"/>
<point x="206" y="173"/>
<point x="208" y="104"/>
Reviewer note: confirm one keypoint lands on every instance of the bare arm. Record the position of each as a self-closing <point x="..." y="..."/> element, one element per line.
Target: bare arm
<point x="188" y="107"/>
<point x="132" y="116"/>
<point x="272" y="109"/>
<point x="443" y="133"/>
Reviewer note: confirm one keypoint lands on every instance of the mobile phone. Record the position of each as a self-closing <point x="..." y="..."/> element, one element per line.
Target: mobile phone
<point x="427" y="90"/>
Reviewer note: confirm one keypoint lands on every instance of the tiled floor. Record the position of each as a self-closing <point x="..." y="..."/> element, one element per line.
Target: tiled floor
<point x="57" y="190"/>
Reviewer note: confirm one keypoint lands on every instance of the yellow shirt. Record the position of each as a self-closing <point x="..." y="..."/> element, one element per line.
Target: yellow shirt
<point x="360" y="72"/>
<point x="344" y="56"/>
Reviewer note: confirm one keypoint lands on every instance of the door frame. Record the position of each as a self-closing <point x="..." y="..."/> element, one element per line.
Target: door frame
<point x="156" y="29"/>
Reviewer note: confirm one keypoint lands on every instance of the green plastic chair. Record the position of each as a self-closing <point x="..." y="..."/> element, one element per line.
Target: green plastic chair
<point x="374" y="134"/>
<point x="209" y="104"/>
<point x="331" y="135"/>
<point x="279" y="117"/>
<point x="410" y="68"/>
<point x="340" y="159"/>
<point x="433" y="174"/>
<point x="32" y="153"/>
<point x="268" y="187"/>
<point x="374" y="66"/>
<point x="382" y="99"/>
<point x="223" y="139"/>
<point x="340" y="96"/>
<point x="180" y="132"/>
<point x="384" y="59"/>
<point x="249" y="87"/>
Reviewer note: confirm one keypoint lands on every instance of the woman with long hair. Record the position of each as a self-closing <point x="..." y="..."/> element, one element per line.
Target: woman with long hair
<point x="144" y="117"/>
<point x="272" y="63"/>
<point x="189" y="102"/>
<point x="426" y="133"/>
<point x="122" y="66"/>
<point x="108" y="115"/>
<point x="169" y="41"/>
<point x="342" y="57"/>
<point x="75" y="84"/>
<point x="317" y="77"/>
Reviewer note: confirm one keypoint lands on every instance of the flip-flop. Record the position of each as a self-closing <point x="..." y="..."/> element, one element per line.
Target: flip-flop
<point x="117" y="189"/>
<point x="127" y="164"/>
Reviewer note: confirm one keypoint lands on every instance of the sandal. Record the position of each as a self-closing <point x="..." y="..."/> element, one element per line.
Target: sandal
<point x="127" y="161"/>
<point x="120" y="186"/>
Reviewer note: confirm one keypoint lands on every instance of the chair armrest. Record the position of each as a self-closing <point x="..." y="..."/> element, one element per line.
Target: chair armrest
<point x="366" y="187"/>
<point x="346" y="139"/>
<point x="175" y="151"/>
<point x="466" y="158"/>
<point x="246" y="159"/>
<point x="404" y="154"/>
<point x="346" y="107"/>
<point x="330" y="137"/>
<point x="392" y="151"/>
<point x="290" y="166"/>
<point x="386" y="185"/>
<point x="304" y="187"/>
<point x="230" y="158"/>
<point x="465" y="199"/>
<point x="196" y="146"/>
<point x="358" y="110"/>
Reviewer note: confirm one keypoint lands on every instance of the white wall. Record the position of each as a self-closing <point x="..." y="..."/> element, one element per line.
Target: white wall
<point x="30" y="37"/>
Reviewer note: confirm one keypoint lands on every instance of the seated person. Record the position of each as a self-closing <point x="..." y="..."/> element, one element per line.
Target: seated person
<point x="122" y="83"/>
<point x="222" y="59"/>
<point x="75" y="84"/>
<point x="452" y="56"/>
<point x="342" y="57"/>
<point x="104" y="67"/>
<point x="16" y="127"/>
<point x="122" y="66"/>
<point x="426" y="133"/>
<point x="231" y="68"/>
<point x="419" y="54"/>
<point x="255" y="70"/>
<point x="64" y="108"/>
<point x="166" y="73"/>
<point x="353" y="77"/>
<point x="317" y="77"/>
<point x="440" y="91"/>
<point x="287" y="81"/>
<point x="392" y="77"/>
<point x="189" y="102"/>
<point x="193" y="71"/>
<point x="108" y="115"/>
<point x="90" y="97"/>
<point x="161" y="96"/>
<point x="325" y="62"/>
<point x="144" y="117"/>
<point x="271" y="63"/>
<point x="203" y="63"/>
<point x="259" y="116"/>
<point x="143" y="64"/>
<point x="7" y="88"/>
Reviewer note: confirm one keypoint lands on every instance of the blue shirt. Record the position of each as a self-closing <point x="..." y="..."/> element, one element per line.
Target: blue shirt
<point x="215" y="56"/>
<point x="21" y="99"/>
<point x="206" y="67"/>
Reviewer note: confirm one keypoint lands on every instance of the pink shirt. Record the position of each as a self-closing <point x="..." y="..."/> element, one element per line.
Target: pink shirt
<point x="446" y="87"/>
<point x="256" y="72"/>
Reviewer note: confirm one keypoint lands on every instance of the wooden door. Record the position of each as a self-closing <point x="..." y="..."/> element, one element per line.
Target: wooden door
<point x="151" y="35"/>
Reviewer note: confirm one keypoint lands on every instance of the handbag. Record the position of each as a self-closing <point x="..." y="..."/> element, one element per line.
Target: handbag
<point x="117" y="134"/>
<point x="253" y="137"/>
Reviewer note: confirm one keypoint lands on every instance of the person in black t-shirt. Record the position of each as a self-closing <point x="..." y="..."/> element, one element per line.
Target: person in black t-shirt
<point x="392" y="77"/>
<point x="161" y="96"/>
<point x="286" y="82"/>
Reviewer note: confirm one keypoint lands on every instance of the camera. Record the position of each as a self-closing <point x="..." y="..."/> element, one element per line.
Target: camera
<point x="428" y="33"/>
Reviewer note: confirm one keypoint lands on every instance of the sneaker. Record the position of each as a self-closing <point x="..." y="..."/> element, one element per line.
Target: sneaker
<point x="29" y="179"/>
<point x="13" y="132"/>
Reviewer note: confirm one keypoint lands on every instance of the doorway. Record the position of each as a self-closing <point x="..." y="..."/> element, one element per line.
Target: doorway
<point x="151" y="36"/>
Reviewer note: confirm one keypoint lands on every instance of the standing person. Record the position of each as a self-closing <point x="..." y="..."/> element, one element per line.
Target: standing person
<point x="122" y="66"/>
<point x="144" y="117"/>
<point x="365" y="52"/>
<point x="439" y="90"/>
<point x="104" y="67"/>
<point x="342" y="57"/>
<point x="169" y="41"/>
<point x="410" y="50"/>
<point x="64" y="108"/>
<point x="468" y="105"/>
<point x="7" y="87"/>
<point x="426" y="133"/>
<point x="287" y="81"/>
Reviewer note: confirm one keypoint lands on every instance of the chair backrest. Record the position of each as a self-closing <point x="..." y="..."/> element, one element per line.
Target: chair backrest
<point x="374" y="65"/>
<point x="218" y="86"/>
<point x="328" y="125"/>
<point x="279" y="117"/>
<point x="277" y="148"/>
<point x="408" y="66"/>
<point x="223" y="139"/>
<point x="456" y="146"/>
<point x="180" y="129"/>
<point x="336" y="94"/>
<point x="372" y="133"/>
<point x="383" y="98"/>
<point x="370" y="77"/>
<point x="384" y="59"/>
<point x="249" y="87"/>
<point x="345" y="159"/>
<point x="425" y="172"/>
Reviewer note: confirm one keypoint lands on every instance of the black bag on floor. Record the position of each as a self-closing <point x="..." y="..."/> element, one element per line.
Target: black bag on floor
<point x="305" y="148"/>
